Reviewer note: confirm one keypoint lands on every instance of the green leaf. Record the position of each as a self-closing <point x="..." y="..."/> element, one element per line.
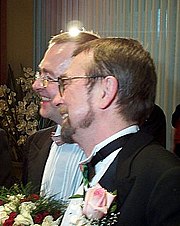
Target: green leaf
<point x="76" y="196"/>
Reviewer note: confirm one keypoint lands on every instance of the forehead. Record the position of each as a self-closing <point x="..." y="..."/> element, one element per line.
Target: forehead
<point x="80" y="64"/>
<point x="58" y="56"/>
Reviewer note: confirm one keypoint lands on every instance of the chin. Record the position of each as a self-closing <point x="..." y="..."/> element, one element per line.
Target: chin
<point x="67" y="132"/>
<point x="44" y="114"/>
<point x="67" y="139"/>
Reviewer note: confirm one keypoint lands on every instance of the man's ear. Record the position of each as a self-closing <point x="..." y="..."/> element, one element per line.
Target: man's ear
<point x="109" y="91"/>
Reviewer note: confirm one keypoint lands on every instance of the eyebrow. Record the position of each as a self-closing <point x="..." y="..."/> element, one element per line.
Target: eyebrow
<point x="46" y="71"/>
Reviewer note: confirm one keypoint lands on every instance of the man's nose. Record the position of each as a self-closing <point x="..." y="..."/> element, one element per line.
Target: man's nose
<point x="37" y="85"/>
<point x="57" y="100"/>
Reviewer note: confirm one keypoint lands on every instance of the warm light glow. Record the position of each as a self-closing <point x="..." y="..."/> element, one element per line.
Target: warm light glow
<point x="74" y="27"/>
<point x="74" y="31"/>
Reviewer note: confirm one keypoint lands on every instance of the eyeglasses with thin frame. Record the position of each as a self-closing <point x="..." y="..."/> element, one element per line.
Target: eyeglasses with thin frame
<point x="44" y="79"/>
<point x="61" y="81"/>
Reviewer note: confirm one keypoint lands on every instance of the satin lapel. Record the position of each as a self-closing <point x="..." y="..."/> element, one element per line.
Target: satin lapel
<point x="108" y="181"/>
<point x="125" y="181"/>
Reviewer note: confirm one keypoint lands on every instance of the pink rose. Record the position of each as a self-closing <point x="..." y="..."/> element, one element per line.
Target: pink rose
<point x="97" y="202"/>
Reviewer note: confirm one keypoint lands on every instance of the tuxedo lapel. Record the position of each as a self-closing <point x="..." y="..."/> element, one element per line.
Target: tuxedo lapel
<point x="108" y="180"/>
<point x="129" y="152"/>
<point x="124" y="178"/>
<point x="118" y="176"/>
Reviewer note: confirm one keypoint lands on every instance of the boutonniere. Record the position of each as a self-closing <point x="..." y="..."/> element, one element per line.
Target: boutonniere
<point x="97" y="208"/>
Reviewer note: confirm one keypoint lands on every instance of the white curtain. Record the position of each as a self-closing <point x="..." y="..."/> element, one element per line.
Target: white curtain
<point x="156" y="23"/>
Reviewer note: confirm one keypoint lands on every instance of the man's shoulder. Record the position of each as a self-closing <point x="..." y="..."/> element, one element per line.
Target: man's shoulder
<point x="142" y="150"/>
<point x="41" y="137"/>
<point x="148" y="147"/>
<point x="154" y="161"/>
<point x="157" y="154"/>
<point x="43" y="132"/>
<point x="46" y="130"/>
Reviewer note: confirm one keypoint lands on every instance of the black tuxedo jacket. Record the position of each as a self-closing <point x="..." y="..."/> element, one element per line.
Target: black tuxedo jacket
<point x="5" y="161"/>
<point x="37" y="151"/>
<point x="147" y="180"/>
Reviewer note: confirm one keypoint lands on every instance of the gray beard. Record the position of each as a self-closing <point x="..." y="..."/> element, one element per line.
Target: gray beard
<point x="67" y="131"/>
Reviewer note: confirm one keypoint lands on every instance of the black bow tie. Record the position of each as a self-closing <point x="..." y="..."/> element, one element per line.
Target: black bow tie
<point x="88" y="168"/>
<point x="109" y="148"/>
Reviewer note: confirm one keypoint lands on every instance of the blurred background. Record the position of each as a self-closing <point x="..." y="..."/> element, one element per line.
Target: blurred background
<point x="27" y="25"/>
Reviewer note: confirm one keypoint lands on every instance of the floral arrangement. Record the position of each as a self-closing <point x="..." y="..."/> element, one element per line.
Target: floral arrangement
<point x="20" y="207"/>
<point x="19" y="111"/>
<point x="98" y="208"/>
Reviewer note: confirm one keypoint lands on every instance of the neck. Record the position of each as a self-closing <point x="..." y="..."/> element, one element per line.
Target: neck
<point x="89" y="138"/>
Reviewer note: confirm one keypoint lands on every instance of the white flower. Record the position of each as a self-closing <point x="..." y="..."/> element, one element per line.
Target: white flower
<point x="48" y="221"/>
<point x="10" y="207"/>
<point x="80" y="221"/>
<point x="14" y="201"/>
<point x="25" y="218"/>
<point x="76" y="209"/>
<point x="3" y="215"/>
<point x="27" y="207"/>
<point x="15" y="198"/>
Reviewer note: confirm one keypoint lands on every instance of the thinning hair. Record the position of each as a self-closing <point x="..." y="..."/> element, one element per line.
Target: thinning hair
<point x="81" y="38"/>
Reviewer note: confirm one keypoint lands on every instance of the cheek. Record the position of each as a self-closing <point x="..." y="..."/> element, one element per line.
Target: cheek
<point x="78" y="110"/>
<point x="52" y="90"/>
<point x="77" y="106"/>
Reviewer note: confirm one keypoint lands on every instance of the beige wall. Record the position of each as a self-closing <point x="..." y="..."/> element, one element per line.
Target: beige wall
<point x="19" y="34"/>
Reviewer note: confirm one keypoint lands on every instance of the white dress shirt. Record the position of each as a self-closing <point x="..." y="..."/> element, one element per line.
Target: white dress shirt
<point x="100" y="168"/>
<point x="62" y="175"/>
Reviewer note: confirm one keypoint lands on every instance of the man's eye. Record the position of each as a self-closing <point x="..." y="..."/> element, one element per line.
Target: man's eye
<point x="49" y="78"/>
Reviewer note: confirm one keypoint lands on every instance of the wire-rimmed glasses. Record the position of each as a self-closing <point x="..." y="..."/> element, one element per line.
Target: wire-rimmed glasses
<point x="44" y="79"/>
<point x="61" y="81"/>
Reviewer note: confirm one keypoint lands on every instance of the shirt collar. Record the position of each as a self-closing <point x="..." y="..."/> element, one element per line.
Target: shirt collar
<point x="128" y="130"/>
<point x="58" y="130"/>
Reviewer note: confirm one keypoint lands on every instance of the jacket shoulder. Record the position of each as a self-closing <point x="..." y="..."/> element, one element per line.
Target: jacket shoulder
<point x="43" y="133"/>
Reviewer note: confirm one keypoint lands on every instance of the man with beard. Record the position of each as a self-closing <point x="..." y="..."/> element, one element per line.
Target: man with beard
<point x="106" y="93"/>
<point x="52" y="167"/>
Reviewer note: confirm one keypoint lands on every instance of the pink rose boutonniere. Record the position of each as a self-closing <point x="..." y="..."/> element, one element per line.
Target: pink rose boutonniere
<point x="98" y="208"/>
<point x="97" y="202"/>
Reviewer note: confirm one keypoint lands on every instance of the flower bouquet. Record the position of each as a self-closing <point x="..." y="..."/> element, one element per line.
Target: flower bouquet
<point x="18" y="206"/>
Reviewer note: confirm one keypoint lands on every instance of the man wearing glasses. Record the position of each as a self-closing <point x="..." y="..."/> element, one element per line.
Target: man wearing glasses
<point x="108" y="90"/>
<point x="52" y="167"/>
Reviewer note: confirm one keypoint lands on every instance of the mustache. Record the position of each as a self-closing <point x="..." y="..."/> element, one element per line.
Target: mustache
<point x="63" y="112"/>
